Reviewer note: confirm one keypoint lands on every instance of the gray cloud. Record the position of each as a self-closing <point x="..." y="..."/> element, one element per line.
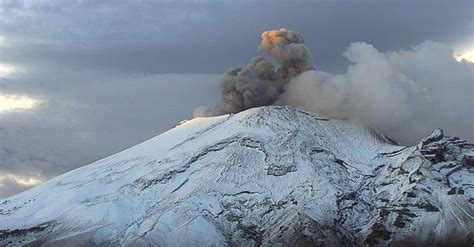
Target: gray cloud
<point x="154" y="36"/>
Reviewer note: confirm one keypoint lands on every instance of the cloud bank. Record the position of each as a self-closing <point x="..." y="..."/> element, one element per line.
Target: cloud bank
<point x="405" y="94"/>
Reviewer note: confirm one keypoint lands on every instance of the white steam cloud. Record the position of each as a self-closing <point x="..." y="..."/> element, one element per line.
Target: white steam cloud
<point x="405" y="94"/>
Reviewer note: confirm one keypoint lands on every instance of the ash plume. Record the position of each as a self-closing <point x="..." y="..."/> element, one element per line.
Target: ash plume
<point x="259" y="83"/>
<point x="405" y="94"/>
<point x="289" y="50"/>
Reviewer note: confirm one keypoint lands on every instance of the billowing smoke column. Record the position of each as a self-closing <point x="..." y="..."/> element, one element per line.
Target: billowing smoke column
<point x="405" y="94"/>
<point x="259" y="84"/>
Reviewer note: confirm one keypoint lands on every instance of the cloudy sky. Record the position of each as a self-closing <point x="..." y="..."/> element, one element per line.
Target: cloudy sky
<point x="80" y="79"/>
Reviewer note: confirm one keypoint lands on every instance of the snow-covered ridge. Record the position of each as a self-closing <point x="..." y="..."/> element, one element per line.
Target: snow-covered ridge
<point x="260" y="177"/>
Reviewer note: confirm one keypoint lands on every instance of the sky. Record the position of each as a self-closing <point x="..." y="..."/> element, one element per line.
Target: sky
<point x="80" y="80"/>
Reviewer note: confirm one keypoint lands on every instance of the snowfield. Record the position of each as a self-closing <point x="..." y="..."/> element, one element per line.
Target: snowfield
<point x="267" y="176"/>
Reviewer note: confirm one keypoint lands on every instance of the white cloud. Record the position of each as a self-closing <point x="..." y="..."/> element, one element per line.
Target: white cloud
<point x="405" y="93"/>
<point x="16" y="103"/>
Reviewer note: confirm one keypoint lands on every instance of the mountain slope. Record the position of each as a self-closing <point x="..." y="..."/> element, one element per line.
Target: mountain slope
<point x="260" y="177"/>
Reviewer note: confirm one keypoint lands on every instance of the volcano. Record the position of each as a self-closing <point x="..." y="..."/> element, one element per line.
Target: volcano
<point x="265" y="176"/>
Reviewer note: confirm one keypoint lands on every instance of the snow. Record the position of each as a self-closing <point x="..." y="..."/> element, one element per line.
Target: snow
<point x="263" y="176"/>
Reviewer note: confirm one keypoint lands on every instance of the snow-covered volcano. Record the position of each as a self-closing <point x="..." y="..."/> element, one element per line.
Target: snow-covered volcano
<point x="265" y="176"/>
